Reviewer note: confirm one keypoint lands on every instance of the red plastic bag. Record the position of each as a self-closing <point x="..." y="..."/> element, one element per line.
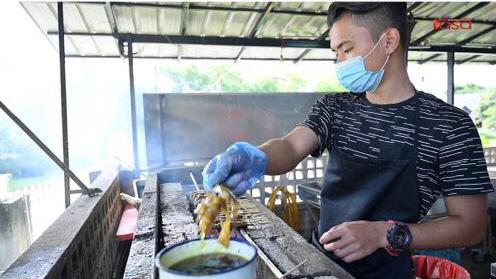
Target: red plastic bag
<point x="428" y="267"/>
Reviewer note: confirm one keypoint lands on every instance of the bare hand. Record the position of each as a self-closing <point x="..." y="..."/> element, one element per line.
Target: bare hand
<point x="352" y="241"/>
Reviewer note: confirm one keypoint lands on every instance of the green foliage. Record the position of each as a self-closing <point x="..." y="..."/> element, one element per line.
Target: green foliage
<point x="488" y="110"/>
<point x="223" y="79"/>
<point x="485" y="140"/>
<point x="332" y="85"/>
<point x="469" y="88"/>
<point x="19" y="155"/>
<point x="487" y="136"/>
<point x="188" y="79"/>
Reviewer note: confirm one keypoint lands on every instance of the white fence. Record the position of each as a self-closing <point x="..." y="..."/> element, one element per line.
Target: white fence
<point x="46" y="203"/>
<point x="308" y="170"/>
<point x="490" y="154"/>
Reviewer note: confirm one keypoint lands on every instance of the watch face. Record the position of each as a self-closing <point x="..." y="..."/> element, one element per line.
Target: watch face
<point x="404" y="236"/>
<point x="400" y="237"/>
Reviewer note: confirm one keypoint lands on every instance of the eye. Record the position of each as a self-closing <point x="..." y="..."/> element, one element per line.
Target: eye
<point x="348" y="50"/>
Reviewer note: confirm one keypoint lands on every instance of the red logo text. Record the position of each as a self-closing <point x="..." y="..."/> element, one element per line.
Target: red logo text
<point x="452" y="24"/>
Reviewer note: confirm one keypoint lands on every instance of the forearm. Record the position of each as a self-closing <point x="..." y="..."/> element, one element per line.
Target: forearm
<point x="447" y="232"/>
<point x="451" y="231"/>
<point x="464" y="226"/>
<point x="281" y="157"/>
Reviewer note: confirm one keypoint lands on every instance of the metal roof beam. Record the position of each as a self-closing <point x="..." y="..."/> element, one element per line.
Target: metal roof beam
<point x="184" y="18"/>
<point x="302" y="55"/>
<point x="227" y="22"/>
<point x="267" y="10"/>
<point x="430" y="58"/>
<point x="478" y="35"/>
<point x="262" y="42"/>
<point x="205" y="23"/>
<point x="238" y="57"/>
<point x="133" y="19"/>
<point x="325" y="34"/>
<point x="87" y="27"/>
<point x="454" y="48"/>
<point x="113" y="26"/>
<point x="184" y="22"/>
<point x="111" y="18"/>
<point x="179" y="53"/>
<point x="255" y="28"/>
<point x="227" y="41"/>
<point x="463" y="14"/>
<point x="290" y="21"/>
<point x="85" y="34"/>
<point x="210" y="8"/>
<point x="468" y="59"/>
<point x="157" y="21"/>
<point x="307" y="51"/>
<point x="492" y="62"/>
<point x="413" y="6"/>
<point x="54" y="14"/>
<point x="195" y="58"/>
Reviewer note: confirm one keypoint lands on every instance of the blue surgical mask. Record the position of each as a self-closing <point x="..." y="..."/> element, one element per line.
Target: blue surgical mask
<point x="353" y="76"/>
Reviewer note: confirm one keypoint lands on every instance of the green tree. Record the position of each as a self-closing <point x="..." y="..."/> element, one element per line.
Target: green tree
<point x="223" y="79"/>
<point x="19" y="155"/>
<point x="469" y="88"/>
<point x="188" y="79"/>
<point x="294" y="83"/>
<point x="329" y="85"/>
<point x="488" y="110"/>
<point x="265" y="85"/>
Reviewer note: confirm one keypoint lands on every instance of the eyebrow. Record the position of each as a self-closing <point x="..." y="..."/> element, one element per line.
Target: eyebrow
<point x="341" y="44"/>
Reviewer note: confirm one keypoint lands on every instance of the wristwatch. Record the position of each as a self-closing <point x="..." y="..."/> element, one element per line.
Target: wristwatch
<point x="399" y="238"/>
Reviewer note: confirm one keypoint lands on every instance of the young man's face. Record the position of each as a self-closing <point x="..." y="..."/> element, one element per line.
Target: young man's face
<point x="349" y="40"/>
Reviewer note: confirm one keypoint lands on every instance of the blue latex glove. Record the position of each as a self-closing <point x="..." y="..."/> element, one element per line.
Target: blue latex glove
<point x="239" y="168"/>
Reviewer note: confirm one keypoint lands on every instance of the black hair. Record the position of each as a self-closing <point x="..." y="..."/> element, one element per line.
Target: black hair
<point x="376" y="17"/>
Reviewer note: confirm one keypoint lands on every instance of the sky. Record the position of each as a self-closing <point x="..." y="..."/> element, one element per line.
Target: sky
<point x="98" y="90"/>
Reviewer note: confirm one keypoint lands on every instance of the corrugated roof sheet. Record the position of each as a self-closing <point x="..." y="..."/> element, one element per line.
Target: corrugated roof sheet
<point x="92" y="35"/>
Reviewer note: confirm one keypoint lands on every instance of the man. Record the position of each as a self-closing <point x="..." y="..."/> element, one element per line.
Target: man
<point x="393" y="151"/>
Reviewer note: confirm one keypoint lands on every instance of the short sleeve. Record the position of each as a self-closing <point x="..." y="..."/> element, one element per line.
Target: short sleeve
<point x="320" y="120"/>
<point x="462" y="166"/>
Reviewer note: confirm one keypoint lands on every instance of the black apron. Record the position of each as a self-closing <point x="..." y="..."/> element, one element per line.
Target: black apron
<point x="373" y="190"/>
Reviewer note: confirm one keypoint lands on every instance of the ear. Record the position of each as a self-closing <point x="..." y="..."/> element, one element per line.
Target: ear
<point x="392" y="40"/>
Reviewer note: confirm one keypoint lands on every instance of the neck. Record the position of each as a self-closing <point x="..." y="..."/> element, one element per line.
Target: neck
<point x="395" y="86"/>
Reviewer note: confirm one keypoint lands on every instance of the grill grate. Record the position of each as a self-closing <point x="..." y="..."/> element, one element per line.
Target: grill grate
<point x="248" y="214"/>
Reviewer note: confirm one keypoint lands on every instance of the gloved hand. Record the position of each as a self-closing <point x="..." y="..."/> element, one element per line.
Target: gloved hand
<point x="239" y="168"/>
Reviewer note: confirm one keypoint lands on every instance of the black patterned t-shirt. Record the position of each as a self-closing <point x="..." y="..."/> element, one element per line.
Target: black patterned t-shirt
<point x="450" y="158"/>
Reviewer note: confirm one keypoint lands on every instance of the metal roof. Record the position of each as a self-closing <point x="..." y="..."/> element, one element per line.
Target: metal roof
<point x="249" y="30"/>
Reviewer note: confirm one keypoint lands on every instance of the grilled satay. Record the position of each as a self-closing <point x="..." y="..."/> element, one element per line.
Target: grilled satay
<point x="220" y="200"/>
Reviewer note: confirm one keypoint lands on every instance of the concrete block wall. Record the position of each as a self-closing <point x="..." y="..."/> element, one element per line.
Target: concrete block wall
<point x="4" y="183"/>
<point x="140" y="263"/>
<point x="15" y="229"/>
<point x="81" y="243"/>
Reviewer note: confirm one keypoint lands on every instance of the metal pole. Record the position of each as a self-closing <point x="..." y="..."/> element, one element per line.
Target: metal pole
<point x="63" y="100"/>
<point x="133" y="103"/>
<point x="48" y="152"/>
<point x="451" y="84"/>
